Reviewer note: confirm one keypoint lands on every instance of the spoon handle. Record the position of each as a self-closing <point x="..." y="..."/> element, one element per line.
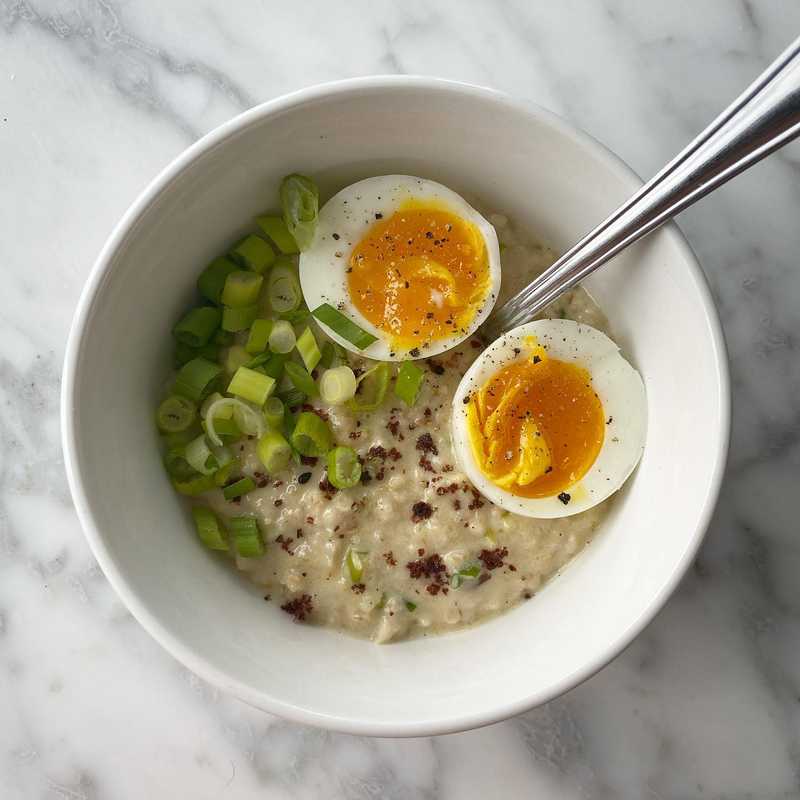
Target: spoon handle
<point x="762" y="119"/>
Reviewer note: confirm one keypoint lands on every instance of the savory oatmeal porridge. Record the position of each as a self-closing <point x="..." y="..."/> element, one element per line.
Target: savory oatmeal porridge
<point x="335" y="479"/>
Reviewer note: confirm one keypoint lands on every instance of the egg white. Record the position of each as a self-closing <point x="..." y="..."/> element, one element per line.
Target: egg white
<point x="619" y="388"/>
<point x="350" y="214"/>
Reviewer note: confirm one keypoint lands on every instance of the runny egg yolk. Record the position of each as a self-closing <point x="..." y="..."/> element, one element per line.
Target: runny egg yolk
<point x="536" y="426"/>
<point x="420" y="275"/>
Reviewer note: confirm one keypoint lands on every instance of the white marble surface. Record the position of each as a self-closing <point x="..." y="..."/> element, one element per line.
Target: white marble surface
<point x="96" y="96"/>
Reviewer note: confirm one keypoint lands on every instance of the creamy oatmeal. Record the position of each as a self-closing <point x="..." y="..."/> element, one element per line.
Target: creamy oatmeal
<point x="414" y="548"/>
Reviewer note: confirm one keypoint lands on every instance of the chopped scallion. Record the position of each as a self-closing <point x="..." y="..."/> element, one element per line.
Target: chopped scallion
<point x="311" y="435"/>
<point x="282" y="338"/>
<point x="224" y="474"/>
<point x="241" y="487"/>
<point x="277" y="230"/>
<point x="301" y="379"/>
<point x="208" y="528"/>
<point x="176" y="464"/>
<point x="296" y="317"/>
<point x="254" y="253"/>
<point x="343" y="326"/>
<point x="246" y="536"/>
<point x="411" y="606"/>
<point x="236" y="356"/>
<point x="274" y="451"/>
<point x="408" y="382"/>
<point x="198" y="326"/>
<point x="242" y="289"/>
<point x="283" y="289"/>
<point x="308" y="349"/>
<point x="294" y="398"/>
<point x="344" y="468"/>
<point x="337" y="385"/>
<point x="274" y="365"/>
<point x="212" y="279"/>
<point x="355" y="564"/>
<point x="196" y="379"/>
<point x="200" y="457"/>
<point x="258" y="338"/>
<point x="196" y="485"/>
<point x="238" y="319"/>
<point x="175" y="414"/>
<point x="251" y="385"/>
<point x="371" y="390"/>
<point x="300" y="204"/>
<point x="273" y="412"/>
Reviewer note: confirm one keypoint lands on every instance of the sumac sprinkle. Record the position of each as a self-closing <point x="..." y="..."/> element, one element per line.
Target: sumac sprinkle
<point x="426" y="444"/>
<point x="393" y="426"/>
<point x="477" y="501"/>
<point x="492" y="559"/>
<point x="299" y="608"/>
<point x="390" y="559"/>
<point x="427" y="568"/>
<point x="420" y="511"/>
<point x="304" y="477"/>
<point x="395" y="454"/>
<point x="358" y="588"/>
<point x="564" y="498"/>
<point x="326" y="486"/>
<point x="483" y="577"/>
<point x="377" y="451"/>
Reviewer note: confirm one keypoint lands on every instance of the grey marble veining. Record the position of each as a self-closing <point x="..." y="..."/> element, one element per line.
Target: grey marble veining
<point x="95" y="98"/>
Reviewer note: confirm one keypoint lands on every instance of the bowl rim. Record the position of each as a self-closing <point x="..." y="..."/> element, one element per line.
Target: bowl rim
<point x="139" y="607"/>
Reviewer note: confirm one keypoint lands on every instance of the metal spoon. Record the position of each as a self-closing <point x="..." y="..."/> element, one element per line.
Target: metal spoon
<point x="762" y="119"/>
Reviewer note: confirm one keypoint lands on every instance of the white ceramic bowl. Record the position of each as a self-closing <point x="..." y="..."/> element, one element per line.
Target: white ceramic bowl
<point x="520" y="160"/>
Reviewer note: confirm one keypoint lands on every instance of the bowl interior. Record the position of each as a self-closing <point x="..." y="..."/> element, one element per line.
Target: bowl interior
<point x="524" y="163"/>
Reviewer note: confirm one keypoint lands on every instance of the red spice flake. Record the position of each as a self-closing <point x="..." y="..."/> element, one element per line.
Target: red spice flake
<point x="425" y="444"/>
<point x="433" y="588"/>
<point x="260" y="479"/>
<point x="318" y="411"/>
<point x="477" y="501"/>
<point x="421" y="551"/>
<point x="420" y="511"/>
<point x="278" y="503"/>
<point x="358" y="588"/>
<point x="277" y="484"/>
<point x="447" y="468"/>
<point x="285" y="543"/>
<point x="309" y="461"/>
<point x="450" y="489"/>
<point x="429" y="568"/>
<point x="393" y="426"/>
<point x="390" y="559"/>
<point x="354" y="434"/>
<point x="299" y="608"/>
<point x="435" y="367"/>
<point x="327" y="487"/>
<point x="394" y="454"/>
<point x="492" y="559"/>
<point x="426" y="464"/>
<point x="427" y="412"/>
<point x="512" y="568"/>
<point x="483" y="577"/>
<point x="379" y="475"/>
<point x="310" y="520"/>
<point x="457" y="505"/>
<point x="527" y="595"/>
<point x="377" y="451"/>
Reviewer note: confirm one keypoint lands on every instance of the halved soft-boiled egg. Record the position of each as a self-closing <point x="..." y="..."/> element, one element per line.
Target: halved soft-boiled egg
<point x="406" y="259"/>
<point x="550" y="420"/>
